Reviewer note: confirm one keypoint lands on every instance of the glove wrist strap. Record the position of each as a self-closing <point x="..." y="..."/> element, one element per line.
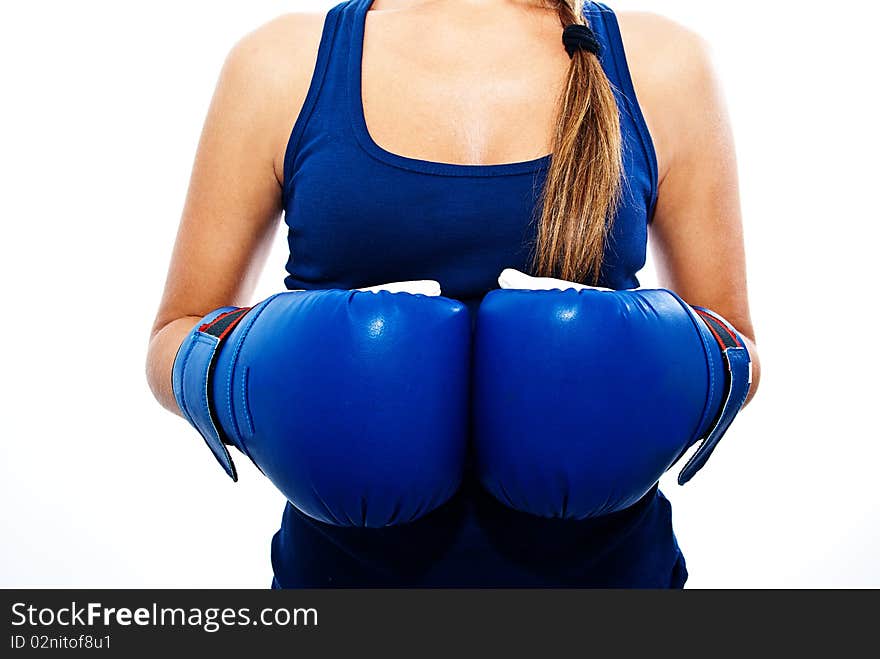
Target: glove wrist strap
<point x="191" y="379"/>
<point x="738" y="381"/>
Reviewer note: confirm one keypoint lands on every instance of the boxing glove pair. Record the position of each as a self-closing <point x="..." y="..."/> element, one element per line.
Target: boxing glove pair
<point x="359" y="406"/>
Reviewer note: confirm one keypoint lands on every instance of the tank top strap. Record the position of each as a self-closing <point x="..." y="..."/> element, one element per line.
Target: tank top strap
<point x="332" y="54"/>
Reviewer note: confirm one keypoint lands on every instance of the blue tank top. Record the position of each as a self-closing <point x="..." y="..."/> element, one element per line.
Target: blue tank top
<point x="359" y="215"/>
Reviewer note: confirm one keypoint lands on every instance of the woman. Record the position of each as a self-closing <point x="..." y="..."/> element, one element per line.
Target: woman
<point x="418" y="150"/>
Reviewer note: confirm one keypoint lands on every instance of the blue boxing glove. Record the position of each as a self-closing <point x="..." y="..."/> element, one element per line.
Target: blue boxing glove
<point x="585" y="397"/>
<point x="353" y="403"/>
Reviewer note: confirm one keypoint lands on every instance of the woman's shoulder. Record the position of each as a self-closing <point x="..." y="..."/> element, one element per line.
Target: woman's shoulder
<point x="270" y="70"/>
<point x="672" y="70"/>
<point x="281" y="49"/>
<point x="661" y="45"/>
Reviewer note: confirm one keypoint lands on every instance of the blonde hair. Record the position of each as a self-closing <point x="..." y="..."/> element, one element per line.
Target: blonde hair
<point x="583" y="183"/>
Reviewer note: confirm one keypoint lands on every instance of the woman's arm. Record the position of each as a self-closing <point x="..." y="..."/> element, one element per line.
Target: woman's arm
<point x="696" y="235"/>
<point x="234" y="198"/>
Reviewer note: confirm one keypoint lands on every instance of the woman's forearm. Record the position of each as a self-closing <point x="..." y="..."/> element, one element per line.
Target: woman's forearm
<point x="164" y="344"/>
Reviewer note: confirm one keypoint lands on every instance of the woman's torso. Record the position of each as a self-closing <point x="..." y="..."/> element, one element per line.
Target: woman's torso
<point x="374" y="192"/>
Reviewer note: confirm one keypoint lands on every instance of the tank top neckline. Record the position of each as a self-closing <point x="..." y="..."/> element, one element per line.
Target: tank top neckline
<point x="366" y="141"/>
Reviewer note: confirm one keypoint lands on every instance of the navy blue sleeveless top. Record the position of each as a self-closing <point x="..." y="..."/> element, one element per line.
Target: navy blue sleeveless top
<point x="359" y="215"/>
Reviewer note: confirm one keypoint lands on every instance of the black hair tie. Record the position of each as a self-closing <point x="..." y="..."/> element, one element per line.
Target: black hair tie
<point x="580" y="37"/>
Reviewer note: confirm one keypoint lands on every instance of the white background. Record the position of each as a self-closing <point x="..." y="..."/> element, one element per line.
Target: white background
<point x="103" y="104"/>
